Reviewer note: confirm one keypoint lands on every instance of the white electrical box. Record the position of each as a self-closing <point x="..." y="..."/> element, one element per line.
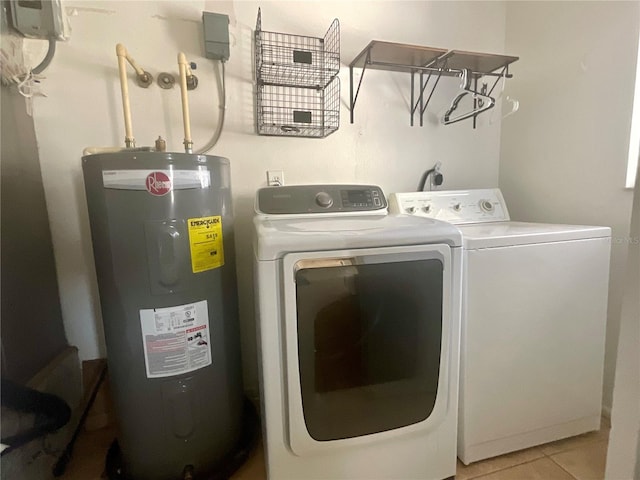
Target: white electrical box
<point x="39" y="18"/>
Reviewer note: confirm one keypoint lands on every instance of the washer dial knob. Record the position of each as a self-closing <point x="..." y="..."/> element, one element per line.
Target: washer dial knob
<point x="324" y="200"/>
<point x="486" y="206"/>
<point x="410" y="210"/>
<point x="426" y="209"/>
<point x="457" y="207"/>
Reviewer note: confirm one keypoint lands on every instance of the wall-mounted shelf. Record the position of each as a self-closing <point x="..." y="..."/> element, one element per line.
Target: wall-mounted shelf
<point x="421" y="61"/>
<point x="396" y="57"/>
<point x="297" y="89"/>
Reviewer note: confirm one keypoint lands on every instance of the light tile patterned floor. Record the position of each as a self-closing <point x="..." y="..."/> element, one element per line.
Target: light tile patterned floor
<point x="578" y="458"/>
<point x="582" y="458"/>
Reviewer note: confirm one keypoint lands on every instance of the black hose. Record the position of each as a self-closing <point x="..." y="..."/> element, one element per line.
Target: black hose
<point x="50" y="413"/>
<point x="423" y="179"/>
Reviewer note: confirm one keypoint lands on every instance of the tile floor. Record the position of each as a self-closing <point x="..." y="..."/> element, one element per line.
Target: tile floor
<point x="580" y="458"/>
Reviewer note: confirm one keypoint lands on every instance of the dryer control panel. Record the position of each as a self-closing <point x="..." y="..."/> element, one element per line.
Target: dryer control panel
<point x="453" y="206"/>
<point x="321" y="199"/>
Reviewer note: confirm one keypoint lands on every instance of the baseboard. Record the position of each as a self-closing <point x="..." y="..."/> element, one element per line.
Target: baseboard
<point x="493" y="448"/>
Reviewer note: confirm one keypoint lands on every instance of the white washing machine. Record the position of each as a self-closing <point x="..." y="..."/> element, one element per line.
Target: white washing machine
<point x="358" y="330"/>
<point x="533" y="322"/>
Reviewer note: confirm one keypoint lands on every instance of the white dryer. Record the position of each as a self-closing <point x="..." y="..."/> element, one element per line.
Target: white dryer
<point x="358" y="331"/>
<point x="533" y="322"/>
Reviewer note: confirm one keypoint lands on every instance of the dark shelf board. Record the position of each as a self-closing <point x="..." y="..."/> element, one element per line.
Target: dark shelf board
<point x="478" y="62"/>
<point x="403" y="57"/>
<point x="400" y="57"/>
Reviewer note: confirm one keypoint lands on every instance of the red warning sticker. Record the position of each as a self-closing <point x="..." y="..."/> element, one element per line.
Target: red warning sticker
<point x="176" y="340"/>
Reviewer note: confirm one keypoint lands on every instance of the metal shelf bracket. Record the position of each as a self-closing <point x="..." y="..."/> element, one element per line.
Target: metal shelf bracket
<point x="419" y="101"/>
<point x="352" y="98"/>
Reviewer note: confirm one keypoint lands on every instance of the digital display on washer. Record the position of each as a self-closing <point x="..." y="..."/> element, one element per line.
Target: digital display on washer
<point x="357" y="196"/>
<point x="368" y="198"/>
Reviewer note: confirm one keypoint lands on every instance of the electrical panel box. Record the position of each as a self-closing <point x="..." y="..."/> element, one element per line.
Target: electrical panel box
<point x="39" y="18"/>
<point x="216" y="35"/>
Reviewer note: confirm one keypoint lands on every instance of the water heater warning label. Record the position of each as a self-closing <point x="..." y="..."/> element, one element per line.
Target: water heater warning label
<point x="205" y="240"/>
<point x="176" y="339"/>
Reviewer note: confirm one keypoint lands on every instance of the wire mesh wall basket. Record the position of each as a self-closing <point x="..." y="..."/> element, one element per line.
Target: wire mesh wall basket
<point x="298" y="92"/>
<point x="298" y="112"/>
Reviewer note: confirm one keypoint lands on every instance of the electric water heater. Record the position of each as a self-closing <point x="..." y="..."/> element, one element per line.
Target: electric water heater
<point x="162" y="231"/>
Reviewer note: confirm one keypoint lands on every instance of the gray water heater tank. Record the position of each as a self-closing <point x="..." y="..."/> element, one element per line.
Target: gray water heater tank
<point x="162" y="231"/>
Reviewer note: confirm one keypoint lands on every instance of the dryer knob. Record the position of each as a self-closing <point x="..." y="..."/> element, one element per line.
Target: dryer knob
<point x="324" y="200"/>
<point x="486" y="206"/>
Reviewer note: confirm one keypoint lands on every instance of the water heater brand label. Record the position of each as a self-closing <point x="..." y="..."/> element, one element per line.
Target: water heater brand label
<point x="205" y="240"/>
<point x="156" y="182"/>
<point x="176" y="339"/>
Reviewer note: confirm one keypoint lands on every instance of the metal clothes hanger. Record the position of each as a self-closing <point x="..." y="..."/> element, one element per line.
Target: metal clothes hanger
<point x="515" y="104"/>
<point x="486" y="102"/>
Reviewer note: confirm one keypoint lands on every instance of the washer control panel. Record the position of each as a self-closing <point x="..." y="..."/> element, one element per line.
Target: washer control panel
<point x="453" y="206"/>
<point x="317" y="199"/>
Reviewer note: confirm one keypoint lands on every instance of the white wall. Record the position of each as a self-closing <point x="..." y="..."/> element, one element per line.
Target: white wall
<point x="83" y="108"/>
<point x="623" y="457"/>
<point x="563" y="156"/>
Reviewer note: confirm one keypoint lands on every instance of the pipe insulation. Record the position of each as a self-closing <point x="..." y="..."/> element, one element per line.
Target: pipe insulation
<point x="122" y="54"/>
<point x="132" y="62"/>
<point x="183" y="65"/>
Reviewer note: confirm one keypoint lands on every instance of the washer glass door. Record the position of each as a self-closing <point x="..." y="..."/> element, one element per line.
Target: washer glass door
<point x="369" y="341"/>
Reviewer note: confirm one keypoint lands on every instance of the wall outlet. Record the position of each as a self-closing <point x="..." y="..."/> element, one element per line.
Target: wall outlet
<point x="275" y="178"/>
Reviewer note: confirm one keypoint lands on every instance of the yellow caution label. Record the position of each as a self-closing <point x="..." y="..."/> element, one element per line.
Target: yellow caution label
<point x="205" y="239"/>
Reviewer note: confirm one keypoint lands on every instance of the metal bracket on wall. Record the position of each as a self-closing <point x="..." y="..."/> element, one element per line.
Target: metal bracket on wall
<point x="418" y="60"/>
<point x="351" y="96"/>
<point x="420" y="100"/>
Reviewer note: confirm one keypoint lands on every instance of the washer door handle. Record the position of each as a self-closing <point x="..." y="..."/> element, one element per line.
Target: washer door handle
<point x="323" y="263"/>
